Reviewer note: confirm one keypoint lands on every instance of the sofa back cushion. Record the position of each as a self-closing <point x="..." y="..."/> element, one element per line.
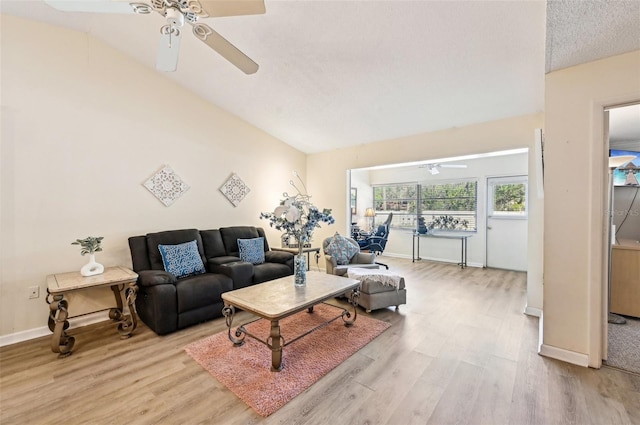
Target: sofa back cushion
<point x="170" y="237"/>
<point x="230" y="236"/>
<point x="139" y="253"/>
<point x="212" y="243"/>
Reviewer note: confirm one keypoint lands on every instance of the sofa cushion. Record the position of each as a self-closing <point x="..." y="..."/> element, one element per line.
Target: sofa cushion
<point x="199" y="291"/>
<point x="182" y="260"/>
<point x="341" y="249"/>
<point x="170" y="237"/>
<point x="251" y="250"/>
<point x="269" y="271"/>
<point x="230" y="236"/>
<point x="212" y="243"/>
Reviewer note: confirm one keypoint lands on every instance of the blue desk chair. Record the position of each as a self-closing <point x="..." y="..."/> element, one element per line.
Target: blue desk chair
<point x="377" y="242"/>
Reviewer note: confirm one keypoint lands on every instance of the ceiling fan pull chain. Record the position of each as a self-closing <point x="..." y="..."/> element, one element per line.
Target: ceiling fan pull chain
<point x="170" y="31"/>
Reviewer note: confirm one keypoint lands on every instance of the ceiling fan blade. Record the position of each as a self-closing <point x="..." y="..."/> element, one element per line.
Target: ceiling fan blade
<point x="224" y="48"/>
<point x="95" y="6"/>
<point x="168" y="50"/>
<point x="453" y="165"/>
<point x="217" y="8"/>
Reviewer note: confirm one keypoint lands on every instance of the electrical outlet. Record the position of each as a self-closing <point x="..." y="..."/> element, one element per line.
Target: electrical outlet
<point x="34" y="292"/>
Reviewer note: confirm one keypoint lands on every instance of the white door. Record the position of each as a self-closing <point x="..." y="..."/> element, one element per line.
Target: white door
<point x="507" y="222"/>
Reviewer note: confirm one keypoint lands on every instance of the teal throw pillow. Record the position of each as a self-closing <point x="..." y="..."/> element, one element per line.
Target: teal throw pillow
<point x="251" y="250"/>
<point x="182" y="260"/>
<point x="341" y="249"/>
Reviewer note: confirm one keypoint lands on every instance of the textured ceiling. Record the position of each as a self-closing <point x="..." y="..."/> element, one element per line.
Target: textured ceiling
<point x="340" y="73"/>
<point x="583" y="31"/>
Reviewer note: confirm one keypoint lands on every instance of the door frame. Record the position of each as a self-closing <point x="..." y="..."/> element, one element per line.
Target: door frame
<point x="488" y="207"/>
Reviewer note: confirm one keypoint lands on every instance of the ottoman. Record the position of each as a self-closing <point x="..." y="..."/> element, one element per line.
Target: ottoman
<point x="379" y="288"/>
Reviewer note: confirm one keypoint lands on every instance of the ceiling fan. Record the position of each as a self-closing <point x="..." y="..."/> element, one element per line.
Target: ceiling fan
<point x="177" y="12"/>
<point x="435" y="168"/>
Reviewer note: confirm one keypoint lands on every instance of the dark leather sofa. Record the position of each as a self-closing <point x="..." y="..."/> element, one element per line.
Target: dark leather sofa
<point x="166" y="303"/>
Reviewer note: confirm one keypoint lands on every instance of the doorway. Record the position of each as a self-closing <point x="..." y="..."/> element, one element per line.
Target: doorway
<point x="507" y="226"/>
<point x="623" y="328"/>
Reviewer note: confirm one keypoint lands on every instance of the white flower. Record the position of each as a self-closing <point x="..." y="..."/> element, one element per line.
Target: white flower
<point x="293" y="214"/>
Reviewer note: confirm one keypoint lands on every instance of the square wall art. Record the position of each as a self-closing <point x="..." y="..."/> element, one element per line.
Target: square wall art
<point x="234" y="189"/>
<point x="166" y="185"/>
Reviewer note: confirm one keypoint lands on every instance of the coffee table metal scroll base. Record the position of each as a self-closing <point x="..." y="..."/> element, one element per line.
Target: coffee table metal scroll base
<point x="276" y="341"/>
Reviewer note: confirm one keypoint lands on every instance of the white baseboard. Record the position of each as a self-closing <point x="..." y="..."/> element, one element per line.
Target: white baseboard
<point x="74" y="322"/>
<point x="440" y="260"/>
<point x="450" y="261"/>
<point x="572" y="357"/>
<point x="533" y="311"/>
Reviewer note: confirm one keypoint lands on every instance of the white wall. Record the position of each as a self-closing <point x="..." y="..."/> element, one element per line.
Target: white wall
<point x="575" y="248"/>
<point x="360" y="181"/>
<point x="82" y="128"/>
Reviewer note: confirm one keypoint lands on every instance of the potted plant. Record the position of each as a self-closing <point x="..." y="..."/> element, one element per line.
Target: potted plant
<point x="90" y="245"/>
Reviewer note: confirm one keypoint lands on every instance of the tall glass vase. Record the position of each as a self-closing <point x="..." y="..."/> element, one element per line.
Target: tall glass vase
<point x="300" y="269"/>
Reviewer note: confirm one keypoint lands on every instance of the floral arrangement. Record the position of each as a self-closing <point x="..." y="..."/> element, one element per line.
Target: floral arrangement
<point x="89" y="245"/>
<point x="296" y="216"/>
<point x="448" y="222"/>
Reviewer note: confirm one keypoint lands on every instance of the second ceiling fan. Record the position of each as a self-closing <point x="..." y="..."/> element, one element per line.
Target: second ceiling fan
<point x="177" y="13"/>
<point x="435" y="168"/>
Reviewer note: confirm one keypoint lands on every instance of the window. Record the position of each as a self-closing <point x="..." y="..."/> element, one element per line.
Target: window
<point x="450" y="205"/>
<point x="508" y="197"/>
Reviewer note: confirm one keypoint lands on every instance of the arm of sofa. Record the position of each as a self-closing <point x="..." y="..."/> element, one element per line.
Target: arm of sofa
<point x="155" y="277"/>
<point x="157" y="307"/>
<point x="239" y="271"/>
<point x="218" y="261"/>
<point x="282" y="257"/>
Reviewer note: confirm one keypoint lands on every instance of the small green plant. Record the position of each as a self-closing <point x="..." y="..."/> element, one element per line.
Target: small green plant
<point x="89" y="245"/>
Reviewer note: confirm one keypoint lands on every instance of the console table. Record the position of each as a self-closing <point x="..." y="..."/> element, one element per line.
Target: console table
<point x="123" y="284"/>
<point x="463" y="236"/>
<point x="307" y="250"/>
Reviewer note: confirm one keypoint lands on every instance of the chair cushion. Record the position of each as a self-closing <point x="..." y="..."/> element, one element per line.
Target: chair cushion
<point x="381" y="231"/>
<point x="251" y="250"/>
<point x="182" y="260"/>
<point x="341" y="249"/>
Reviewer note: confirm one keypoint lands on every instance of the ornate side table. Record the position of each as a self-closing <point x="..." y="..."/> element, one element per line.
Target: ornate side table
<point x="123" y="284"/>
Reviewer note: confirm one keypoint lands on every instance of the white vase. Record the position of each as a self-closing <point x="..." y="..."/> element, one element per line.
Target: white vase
<point x="92" y="267"/>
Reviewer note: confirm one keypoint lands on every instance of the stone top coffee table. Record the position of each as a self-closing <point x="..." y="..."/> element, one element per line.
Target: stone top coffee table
<point x="280" y="298"/>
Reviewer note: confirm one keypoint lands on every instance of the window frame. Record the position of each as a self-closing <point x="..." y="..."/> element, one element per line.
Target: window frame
<point x="505" y="215"/>
<point x="418" y="200"/>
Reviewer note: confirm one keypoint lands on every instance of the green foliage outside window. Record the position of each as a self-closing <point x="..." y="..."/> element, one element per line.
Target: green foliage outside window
<point x="457" y="200"/>
<point x="509" y="197"/>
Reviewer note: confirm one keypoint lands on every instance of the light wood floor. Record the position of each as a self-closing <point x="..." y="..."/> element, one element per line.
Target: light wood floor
<point x="461" y="351"/>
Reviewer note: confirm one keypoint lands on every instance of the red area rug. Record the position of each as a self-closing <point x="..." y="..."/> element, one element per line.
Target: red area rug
<point x="246" y="370"/>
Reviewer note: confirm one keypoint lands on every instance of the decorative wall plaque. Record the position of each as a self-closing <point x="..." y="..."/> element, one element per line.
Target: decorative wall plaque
<point x="234" y="189"/>
<point x="166" y="185"/>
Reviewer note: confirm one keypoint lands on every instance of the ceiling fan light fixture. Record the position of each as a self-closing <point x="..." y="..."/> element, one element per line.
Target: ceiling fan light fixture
<point x="175" y="18"/>
<point x="433" y="169"/>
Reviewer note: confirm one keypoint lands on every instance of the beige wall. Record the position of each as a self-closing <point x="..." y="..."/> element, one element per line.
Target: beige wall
<point x="328" y="173"/>
<point x="82" y="128"/>
<point x="575" y="181"/>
